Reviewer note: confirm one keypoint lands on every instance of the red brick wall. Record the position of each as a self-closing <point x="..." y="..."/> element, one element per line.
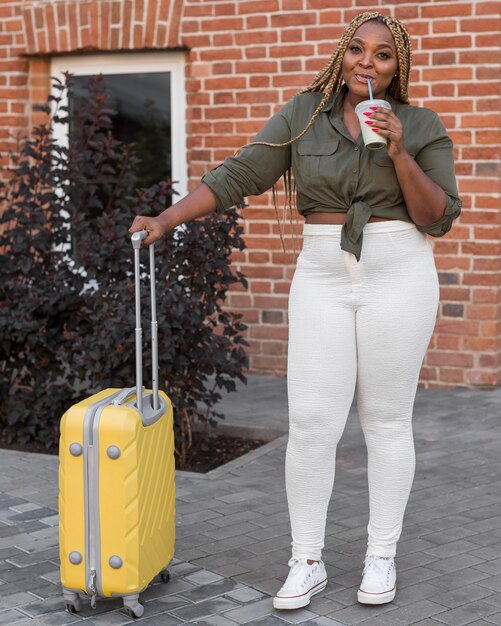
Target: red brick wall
<point x="244" y="59"/>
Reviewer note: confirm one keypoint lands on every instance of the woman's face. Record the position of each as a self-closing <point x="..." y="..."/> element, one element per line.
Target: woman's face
<point x="370" y="53"/>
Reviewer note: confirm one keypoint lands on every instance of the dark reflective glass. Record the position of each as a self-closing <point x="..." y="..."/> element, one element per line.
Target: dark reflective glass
<point x="143" y="116"/>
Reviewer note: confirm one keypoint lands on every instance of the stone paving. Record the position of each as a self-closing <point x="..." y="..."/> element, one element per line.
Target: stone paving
<point x="233" y="538"/>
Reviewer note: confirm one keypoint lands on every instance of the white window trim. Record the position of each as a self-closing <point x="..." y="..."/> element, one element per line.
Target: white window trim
<point x="135" y="63"/>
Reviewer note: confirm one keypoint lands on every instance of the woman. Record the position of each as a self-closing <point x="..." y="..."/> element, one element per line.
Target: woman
<point x="360" y="316"/>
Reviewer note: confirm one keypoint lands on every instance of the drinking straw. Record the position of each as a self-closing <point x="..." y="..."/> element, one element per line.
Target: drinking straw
<point x="370" y="89"/>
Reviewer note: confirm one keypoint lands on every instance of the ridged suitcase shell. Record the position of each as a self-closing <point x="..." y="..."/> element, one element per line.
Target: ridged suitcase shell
<point x="136" y="497"/>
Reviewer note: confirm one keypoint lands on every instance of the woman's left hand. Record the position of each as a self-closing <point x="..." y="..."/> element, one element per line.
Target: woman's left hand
<point x="388" y="125"/>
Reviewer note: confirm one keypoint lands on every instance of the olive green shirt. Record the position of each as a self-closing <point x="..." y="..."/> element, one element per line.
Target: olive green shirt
<point x="333" y="172"/>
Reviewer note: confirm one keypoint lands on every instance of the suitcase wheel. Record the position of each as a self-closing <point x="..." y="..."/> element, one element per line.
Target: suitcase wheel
<point x="165" y="576"/>
<point x="72" y="601"/>
<point x="72" y="608"/>
<point x="134" y="609"/>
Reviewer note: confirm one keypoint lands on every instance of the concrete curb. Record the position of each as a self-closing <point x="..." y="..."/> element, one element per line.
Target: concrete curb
<point x="246" y="432"/>
<point x="239" y="462"/>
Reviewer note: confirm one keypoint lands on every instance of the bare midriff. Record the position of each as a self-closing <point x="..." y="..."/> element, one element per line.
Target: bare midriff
<point x="323" y="217"/>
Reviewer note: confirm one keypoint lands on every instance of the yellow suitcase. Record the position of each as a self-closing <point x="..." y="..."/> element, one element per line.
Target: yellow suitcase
<point x="116" y="486"/>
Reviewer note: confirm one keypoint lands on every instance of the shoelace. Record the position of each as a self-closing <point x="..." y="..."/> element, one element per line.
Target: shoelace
<point x="373" y="558"/>
<point x="294" y="562"/>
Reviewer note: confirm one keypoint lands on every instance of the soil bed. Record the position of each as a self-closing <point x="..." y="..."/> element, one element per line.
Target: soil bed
<point x="221" y="450"/>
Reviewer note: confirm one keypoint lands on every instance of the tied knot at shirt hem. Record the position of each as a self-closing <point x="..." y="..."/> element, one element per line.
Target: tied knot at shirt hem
<point x="352" y="231"/>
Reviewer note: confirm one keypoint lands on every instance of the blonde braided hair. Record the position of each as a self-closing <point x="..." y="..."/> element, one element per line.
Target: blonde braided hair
<point x="329" y="80"/>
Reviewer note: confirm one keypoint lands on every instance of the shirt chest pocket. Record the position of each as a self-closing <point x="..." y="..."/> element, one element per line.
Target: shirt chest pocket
<point x="383" y="160"/>
<point x="317" y="159"/>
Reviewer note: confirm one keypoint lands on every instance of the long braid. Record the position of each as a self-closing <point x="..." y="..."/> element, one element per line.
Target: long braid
<point x="329" y="80"/>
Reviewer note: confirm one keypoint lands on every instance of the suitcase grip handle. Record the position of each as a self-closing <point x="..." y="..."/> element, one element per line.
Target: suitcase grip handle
<point x="137" y="238"/>
<point x="123" y="395"/>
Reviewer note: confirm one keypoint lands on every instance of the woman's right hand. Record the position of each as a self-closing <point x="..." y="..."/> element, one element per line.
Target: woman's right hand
<point x="198" y="203"/>
<point x="154" y="225"/>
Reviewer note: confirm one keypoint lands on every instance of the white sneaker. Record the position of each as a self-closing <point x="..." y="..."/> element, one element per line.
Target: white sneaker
<point x="379" y="580"/>
<point x="303" y="582"/>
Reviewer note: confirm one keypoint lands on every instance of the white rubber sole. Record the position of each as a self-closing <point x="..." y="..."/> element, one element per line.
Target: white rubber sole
<point x="296" y="602"/>
<point x="376" y="598"/>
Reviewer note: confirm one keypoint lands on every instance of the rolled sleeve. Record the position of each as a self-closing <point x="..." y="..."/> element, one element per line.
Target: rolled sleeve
<point x="444" y="224"/>
<point x="436" y="159"/>
<point x="256" y="168"/>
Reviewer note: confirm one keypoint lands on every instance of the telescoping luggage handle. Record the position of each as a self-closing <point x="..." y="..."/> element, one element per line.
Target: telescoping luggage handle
<point x="136" y="243"/>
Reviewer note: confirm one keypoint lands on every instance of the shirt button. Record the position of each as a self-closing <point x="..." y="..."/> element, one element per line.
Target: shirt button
<point x="356" y="148"/>
<point x="354" y="170"/>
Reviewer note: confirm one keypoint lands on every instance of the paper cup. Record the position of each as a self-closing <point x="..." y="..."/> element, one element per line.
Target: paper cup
<point x="372" y="140"/>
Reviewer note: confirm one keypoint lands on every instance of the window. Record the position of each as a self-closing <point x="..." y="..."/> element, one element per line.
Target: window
<point x="147" y="91"/>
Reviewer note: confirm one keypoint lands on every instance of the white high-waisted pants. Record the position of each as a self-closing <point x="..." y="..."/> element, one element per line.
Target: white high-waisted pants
<point x="363" y="325"/>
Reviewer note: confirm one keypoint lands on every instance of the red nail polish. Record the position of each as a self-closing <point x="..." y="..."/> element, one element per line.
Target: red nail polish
<point x="376" y="130"/>
<point x="368" y="122"/>
<point x="374" y="108"/>
<point x="367" y="113"/>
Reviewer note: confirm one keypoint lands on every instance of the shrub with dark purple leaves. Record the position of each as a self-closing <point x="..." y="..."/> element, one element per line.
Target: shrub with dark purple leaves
<point x="67" y="286"/>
